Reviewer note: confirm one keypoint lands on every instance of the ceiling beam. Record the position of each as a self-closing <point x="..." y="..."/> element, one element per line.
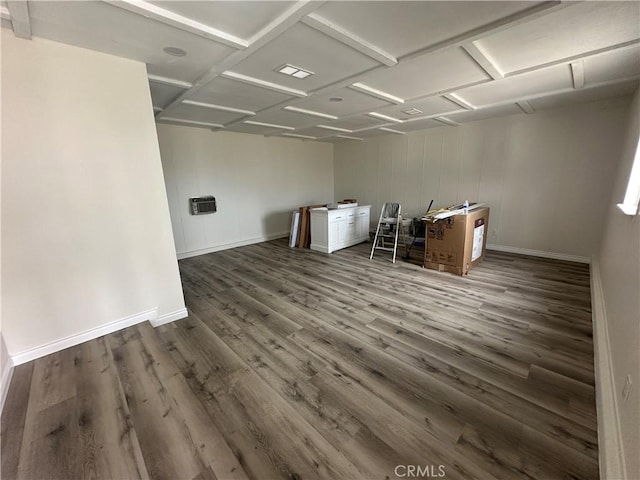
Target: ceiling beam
<point x="499" y="25"/>
<point x="446" y="121"/>
<point x="391" y="130"/>
<point x="20" y="21"/>
<point x="348" y="38"/>
<point x="518" y="100"/>
<point x="180" y="121"/>
<point x="162" y="15"/>
<point x="485" y="62"/>
<point x="275" y="28"/>
<point x="373" y="92"/>
<point x="257" y="82"/>
<point x="537" y="11"/>
<point x="526" y="107"/>
<point x="573" y="58"/>
<point x="221" y="108"/>
<point x="458" y="100"/>
<point x="169" y="81"/>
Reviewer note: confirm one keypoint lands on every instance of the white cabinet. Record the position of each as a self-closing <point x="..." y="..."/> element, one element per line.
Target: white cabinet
<point x="335" y="229"/>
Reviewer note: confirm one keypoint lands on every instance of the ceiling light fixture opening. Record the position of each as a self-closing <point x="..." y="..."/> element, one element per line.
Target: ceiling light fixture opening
<point x="335" y="99"/>
<point x="413" y="111"/>
<point x="293" y="71"/>
<point x="174" y="51"/>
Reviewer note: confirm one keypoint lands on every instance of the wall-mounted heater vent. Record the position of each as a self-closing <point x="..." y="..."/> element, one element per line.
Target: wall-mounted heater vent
<point x="202" y="205"/>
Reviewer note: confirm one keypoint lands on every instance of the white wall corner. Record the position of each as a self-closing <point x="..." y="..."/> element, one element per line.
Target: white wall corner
<point x="169" y="317"/>
<point x="78" y="338"/>
<point x="610" y="445"/>
<point x="7" y="373"/>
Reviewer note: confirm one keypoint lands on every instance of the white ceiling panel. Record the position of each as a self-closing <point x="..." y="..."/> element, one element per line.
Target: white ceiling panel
<point x="374" y="132"/>
<point x="532" y="51"/>
<point x="530" y="84"/>
<point x="428" y="106"/>
<point x="288" y="119"/>
<point x="319" y="132"/>
<point x="417" y="125"/>
<point x="355" y="123"/>
<point x="351" y="102"/>
<point x="252" y="129"/>
<point x="162" y="94"/>
<point x="621" y="63"/>
<point x="404" y="27"/>
<point x="310" y="50"/>
<point x="105" y="28"/>
<point x="340" y="140"/>
<point x="585" y="95"/>
<point x="240" y="18"/>
<point x="223" y="91"/>
<point x="428" y="74"/>
<point x="201" y="114"/>
<point x="577" y="29"/>
<point x="473" y="115"/>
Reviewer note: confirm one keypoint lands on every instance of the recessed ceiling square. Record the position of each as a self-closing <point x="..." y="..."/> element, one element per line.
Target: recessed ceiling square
<point x="428" y="74"/>
<point x="621" y="63"/>
<point x="355" y="123"/>
<point x="240" y="18"/>
<point x="109" y="29"/>
<point x="284" y="117"/>
<point x="237" y="94"/>
<point x="428" y="106"/>
<point x="201" y="114"/>
<point x="303" y="46"/>
<point x="352" y="102"/>
<point x="585" y="95"/>
<point x="472" y="116"/>
<point x="401" y="27"/>
<point x="531" y="84"/>
<point x="578" y="28"/>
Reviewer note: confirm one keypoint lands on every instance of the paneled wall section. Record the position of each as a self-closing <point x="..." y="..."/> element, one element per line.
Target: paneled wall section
<point x="546" y="176"/>
<point x="257" y="183"/>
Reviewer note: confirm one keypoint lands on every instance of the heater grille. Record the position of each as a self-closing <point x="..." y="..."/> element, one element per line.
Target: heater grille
<point x="202" y="205"/>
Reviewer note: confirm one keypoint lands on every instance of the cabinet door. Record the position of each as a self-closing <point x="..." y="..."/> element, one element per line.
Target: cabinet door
<point x="342" y="231"/>
<point x="333" y="234"/>
<point x="362" y="223"/>
<point x="351" y="230"/>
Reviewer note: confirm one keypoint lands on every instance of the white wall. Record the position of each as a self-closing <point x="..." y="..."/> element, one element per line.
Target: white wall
<point x="619" y="262"/>
<point x="6" y="370"/>
<point x="86" y="234"/>
<point x="257" y="181"/>
<point x="546" y="176"/>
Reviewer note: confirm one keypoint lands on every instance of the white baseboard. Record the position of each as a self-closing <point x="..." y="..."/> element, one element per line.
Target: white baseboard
<point x="610" y="451"/>
<point x="539" y="253"/>
<point x="71" y="340"/>
<point x="226" y="246"/>
<point x="170" y="317"/>
<point x="7" y="373"/>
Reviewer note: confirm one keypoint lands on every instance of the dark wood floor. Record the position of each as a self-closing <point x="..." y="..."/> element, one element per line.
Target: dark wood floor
<point x="299" y="365"/>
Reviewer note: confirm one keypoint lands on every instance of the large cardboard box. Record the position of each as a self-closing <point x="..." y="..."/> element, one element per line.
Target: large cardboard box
<point x="457" y="244"/>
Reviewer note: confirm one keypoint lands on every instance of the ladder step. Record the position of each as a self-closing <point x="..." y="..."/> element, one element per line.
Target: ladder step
<point x="385" y="249"/>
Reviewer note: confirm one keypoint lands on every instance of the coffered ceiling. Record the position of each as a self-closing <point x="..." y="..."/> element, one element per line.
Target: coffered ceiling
<point x="369" y="68"/>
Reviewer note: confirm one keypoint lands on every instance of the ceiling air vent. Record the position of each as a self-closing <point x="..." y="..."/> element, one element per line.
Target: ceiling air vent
<point x="202" y="205"/>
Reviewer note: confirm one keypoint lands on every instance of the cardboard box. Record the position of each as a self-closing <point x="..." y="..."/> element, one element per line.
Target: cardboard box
<point x="457" y="244"/>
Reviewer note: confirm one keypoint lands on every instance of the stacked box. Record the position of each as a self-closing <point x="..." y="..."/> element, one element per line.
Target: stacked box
<point x="457" y="244"/>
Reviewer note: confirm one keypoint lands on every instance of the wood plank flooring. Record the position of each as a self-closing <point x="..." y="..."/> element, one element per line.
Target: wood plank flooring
<point x="299" y="365"/>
